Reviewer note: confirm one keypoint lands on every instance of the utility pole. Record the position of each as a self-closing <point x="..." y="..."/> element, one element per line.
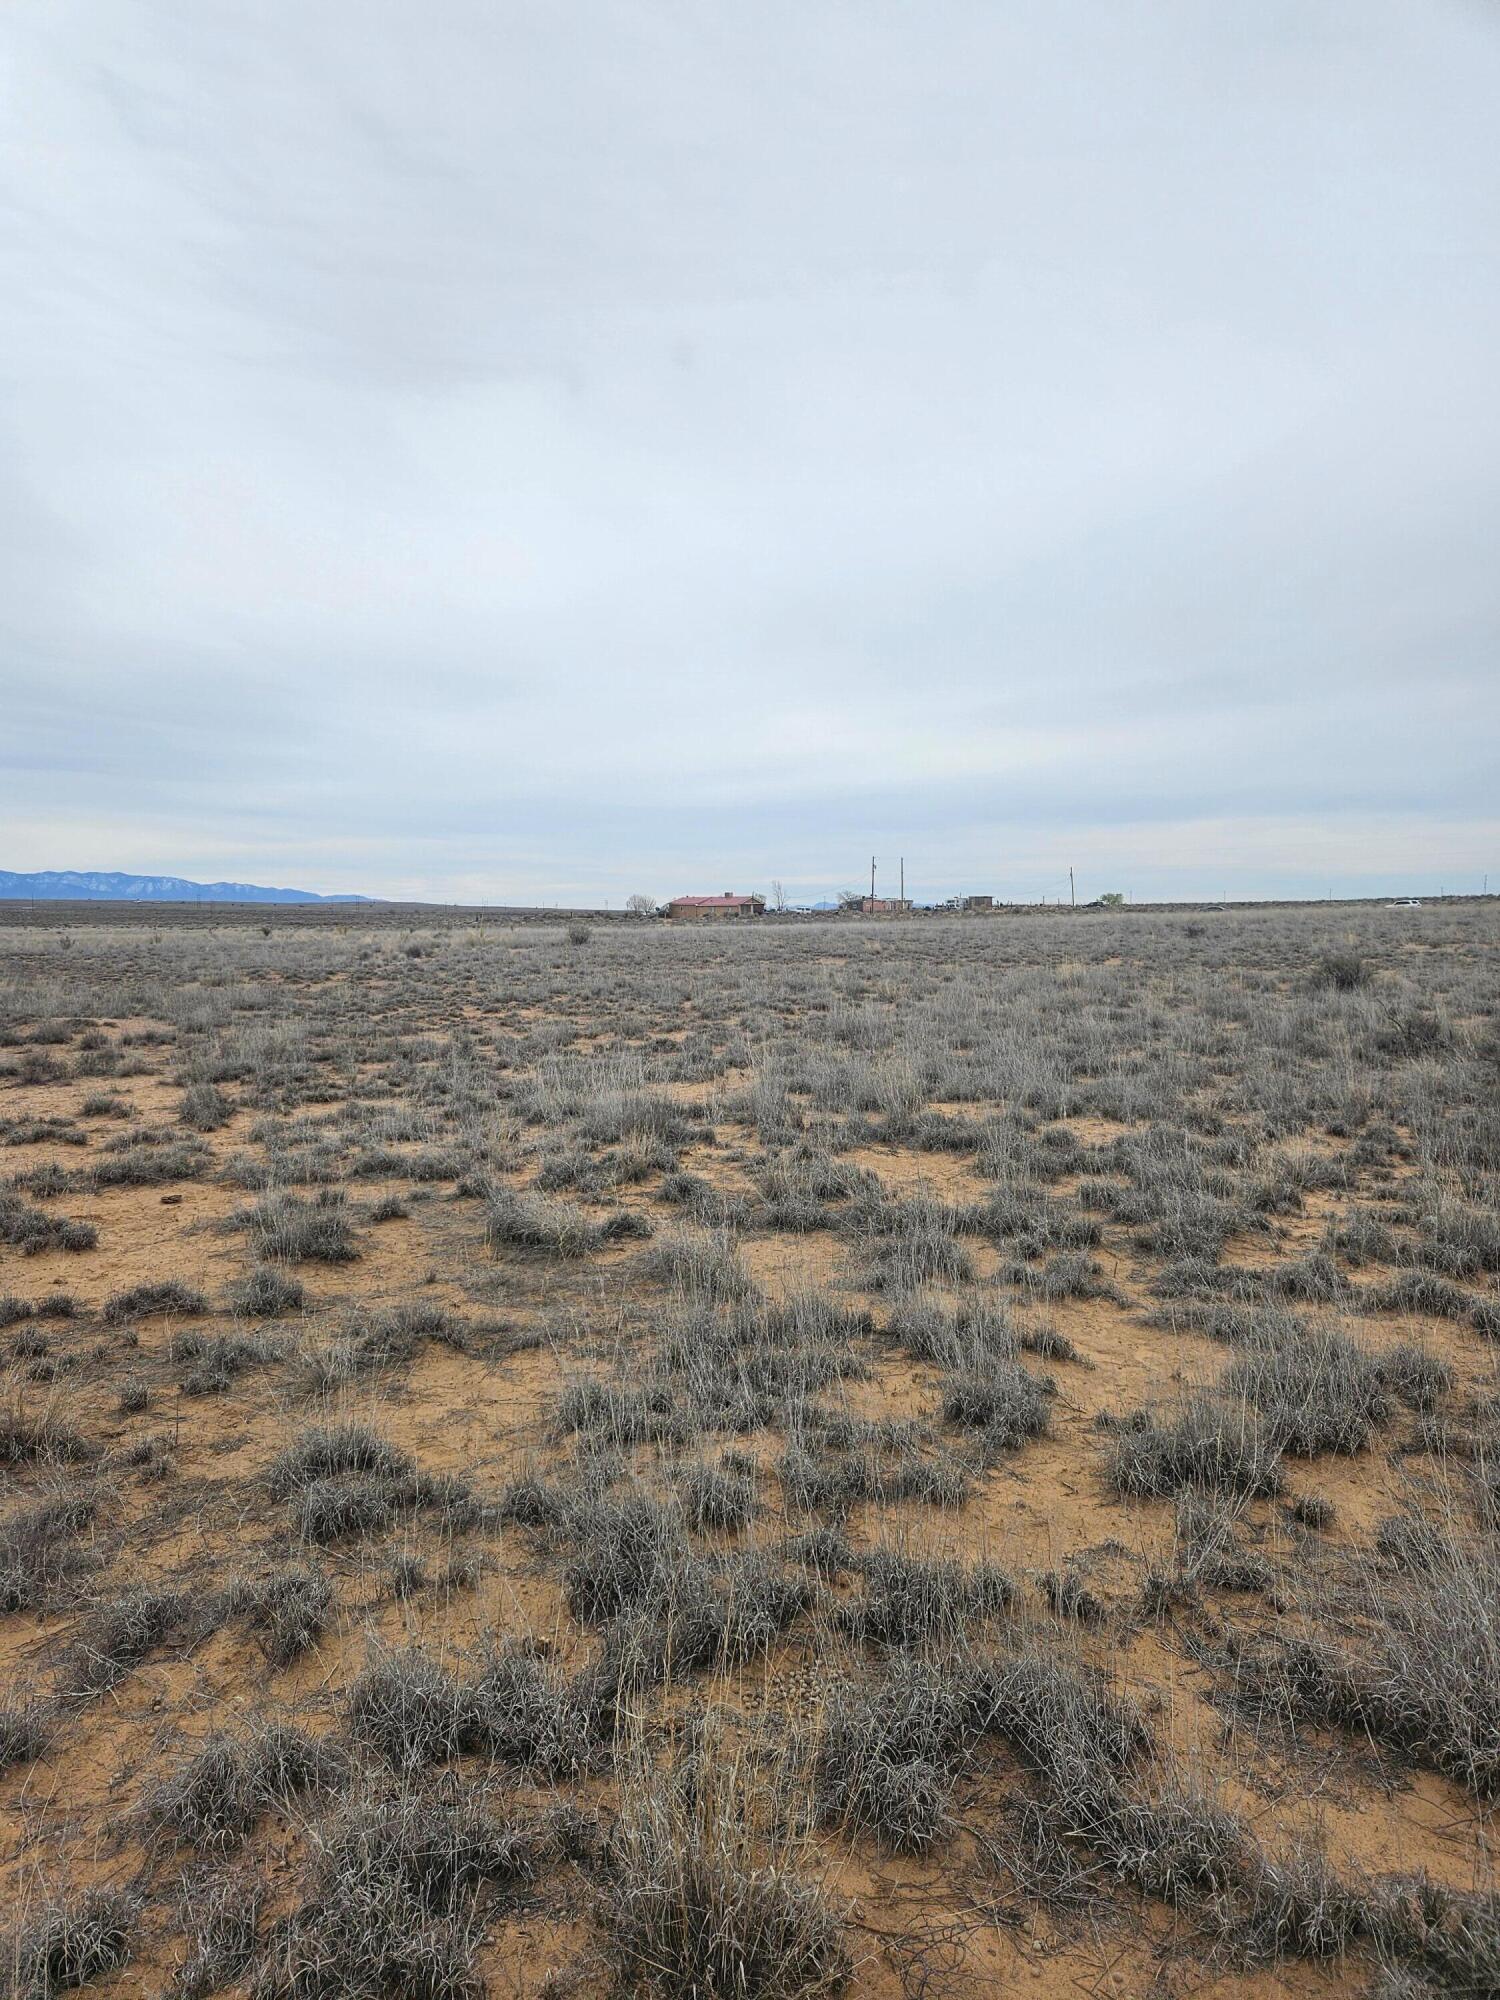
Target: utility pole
<point x="872" y="878"/>
<point x="1072" y="892"/>
<point x="903" y="878"/>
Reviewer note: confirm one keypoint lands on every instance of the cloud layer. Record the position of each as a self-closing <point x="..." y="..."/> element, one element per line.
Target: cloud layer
<point x="513" y="452"/>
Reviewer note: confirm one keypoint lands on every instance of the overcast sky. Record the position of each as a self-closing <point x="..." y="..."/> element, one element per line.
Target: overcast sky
<point x="505" y="451"/>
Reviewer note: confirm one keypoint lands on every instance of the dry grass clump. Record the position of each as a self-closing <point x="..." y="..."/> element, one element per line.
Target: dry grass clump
<point x="1321" y="1393"/>
<point x="331" y="1510"/>
<point x="521" y="1710"/>
<point x="705" y="1895"/>
<point x="1099" y="1785"/>
<point x="618" y="1414"/>
<point x="346" y="1479"/>
<point x="70" y="1940"/>
<point x="1343" y="971"/>
<point x="801" y="1190"/>
<point x="740" y="1366"/>
<point x="1416" y="1376"/>
<point x="712" y="1209"/>
<point x="888" y="1758"/>
<point x="1419" y="1292"/>
<point x="1210" y="1552"/>
<point x="912" y="1244"/>
<point x="31" y="1230"/>
<point x="1071" y="1274"/>
<point x="408" y="1708"/>
<point x="216" y="1798"/>
<point x="287" y="1609"/>
<point x="149" y="1161"/>
<point x="890" y="1750"/>
<point x="220" y="1916"/>
<point x="911" y="1600"/>
<point x="41" y="1439"/>
<point x="515" y="1220"/>
<point x="1459" y="1239"/>
<point x="626" y="1552"/>
<point x="1299" y="1907"/>
<point x="217" y="1359"/>
<point x="704" y="1267"/>
<point x="831" y="1463"/>
<point x="613" y="1116"/>
<point x="327" y="1451"/>
<point x="382" y="1340"/>
<point x="266" y="1294"/>
<point x="1431" y="1938"/>
<point x="1047" y="1343"/>
<point x="631" y="1561"/>
<point x="122" y="1633"/>
<point x="204" y="1107"/>
<point x="1003" y="1402"/>
<point x="1360" y="1236"/>
<point x="41" y="1547"/>
<point x="720" y="1497"/>
<point x="959" y="1336"/>
<point x="1414" y="1660"/>
<point x="517" y="1710"/>
<point x="25" y="1732"/>
<point x="152" y="1301"/>
<point x="289" y="1230"/>
<point x="398" y="1884"/>
<point x="1206" y="1443"/>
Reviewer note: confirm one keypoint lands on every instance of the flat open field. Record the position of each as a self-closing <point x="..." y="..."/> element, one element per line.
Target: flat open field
<point x="925" y="1460"/>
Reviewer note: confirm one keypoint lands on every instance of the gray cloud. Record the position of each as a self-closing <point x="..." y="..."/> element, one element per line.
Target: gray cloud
<point x="525" y="451"/>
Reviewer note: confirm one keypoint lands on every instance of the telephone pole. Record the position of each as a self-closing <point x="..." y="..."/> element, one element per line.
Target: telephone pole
<point x="872" y="878"/>
<point x="1072" y="892"/>
<point x="903" y="878"/>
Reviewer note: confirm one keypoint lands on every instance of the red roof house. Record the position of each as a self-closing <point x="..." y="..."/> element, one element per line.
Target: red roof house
<point x="711" y="907"/>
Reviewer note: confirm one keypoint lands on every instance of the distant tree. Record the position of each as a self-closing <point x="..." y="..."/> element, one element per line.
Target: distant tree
<point x="850" y="899"/>
<point x="641" y="906"/>
<point x="778" y="895"/>
<point x="1112" y="899"/>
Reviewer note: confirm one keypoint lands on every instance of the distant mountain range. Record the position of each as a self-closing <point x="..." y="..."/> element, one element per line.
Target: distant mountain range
<point x="66" y="885"/>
